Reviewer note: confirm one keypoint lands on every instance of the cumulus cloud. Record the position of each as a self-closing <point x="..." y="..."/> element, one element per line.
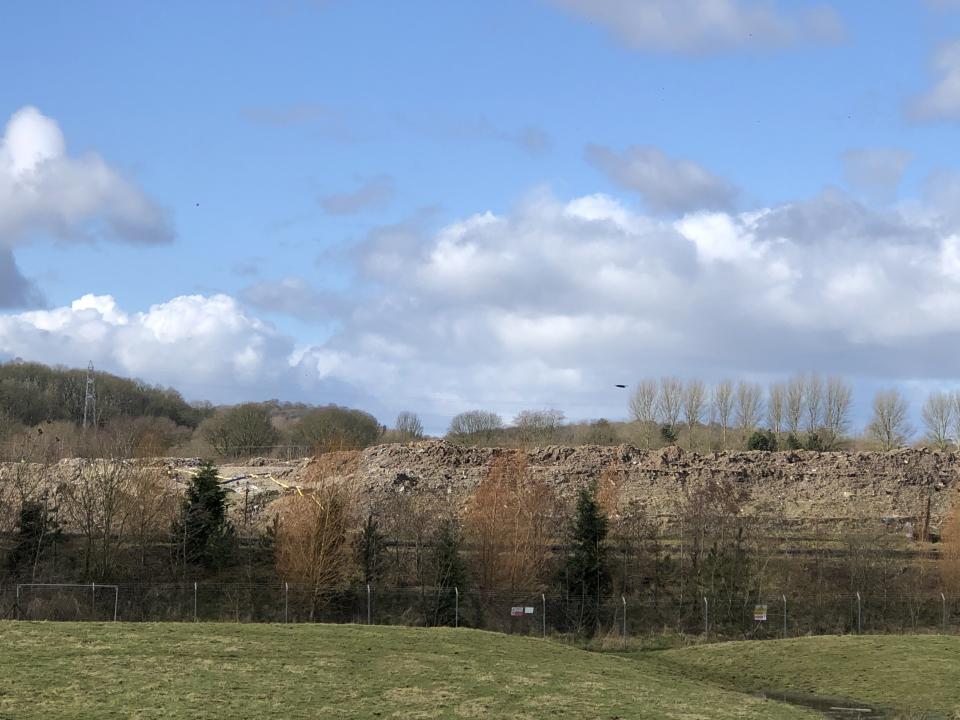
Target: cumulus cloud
<point x="550" y="304"/>
<point x="666" y="184"/>
<point x="545" y="305"/>
<point x="942" y="101"/>
<point x="706" y="26"/>
<point x="876" y="172"/>
<point x="46" y="192"/>
<point x="373" y="194"/>
<point x="190" y="340"/>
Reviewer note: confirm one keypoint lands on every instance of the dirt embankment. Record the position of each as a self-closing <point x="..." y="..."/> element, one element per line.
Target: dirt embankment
<point x="802" y="486"/>
<point x="799" y="485"/>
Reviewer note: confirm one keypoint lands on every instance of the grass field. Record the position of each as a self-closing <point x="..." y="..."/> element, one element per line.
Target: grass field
<point x="203" y="671"/>
<point x="914" y="673"/>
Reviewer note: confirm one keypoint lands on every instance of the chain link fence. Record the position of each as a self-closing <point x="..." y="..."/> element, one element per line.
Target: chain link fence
<point x="772" y="615"/>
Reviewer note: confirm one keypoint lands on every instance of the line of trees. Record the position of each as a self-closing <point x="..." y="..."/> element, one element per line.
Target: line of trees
<point x="516" y="536"/>
<point x="805" y="411"/>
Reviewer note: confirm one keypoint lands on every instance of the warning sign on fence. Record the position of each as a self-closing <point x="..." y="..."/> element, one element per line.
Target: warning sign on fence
<point x="516" y="611"/>
<point x="760" y="613"/>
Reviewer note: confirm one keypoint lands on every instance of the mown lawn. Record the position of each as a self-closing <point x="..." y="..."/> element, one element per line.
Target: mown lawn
<point x="204" y="671"/>
<point x="915" y="673"/>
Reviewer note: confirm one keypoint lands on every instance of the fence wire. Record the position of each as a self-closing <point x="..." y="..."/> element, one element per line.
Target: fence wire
<point x="771" y="615"/>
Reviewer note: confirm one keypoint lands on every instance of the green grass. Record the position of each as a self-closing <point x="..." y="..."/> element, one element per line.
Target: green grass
<point x="203" y="671"/>
<point x="911" y="673"/>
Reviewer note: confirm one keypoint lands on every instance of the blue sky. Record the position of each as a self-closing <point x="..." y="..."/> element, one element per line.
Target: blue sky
<point x="316" y="166"/>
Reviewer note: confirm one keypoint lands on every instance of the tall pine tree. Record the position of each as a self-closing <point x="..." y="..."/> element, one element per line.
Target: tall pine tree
<point x="203" y="533"/>
<point x="587" y="573"/>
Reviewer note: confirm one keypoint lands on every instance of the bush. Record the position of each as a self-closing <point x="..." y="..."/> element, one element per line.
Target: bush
<point x="763" y="440"/>
<point x="668" y="433"/>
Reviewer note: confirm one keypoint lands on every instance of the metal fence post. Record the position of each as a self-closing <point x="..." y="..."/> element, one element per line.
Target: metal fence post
<point x="194" y="600"/>
<point x="784" y="616"/>
<point x="456" y="607"/>
<point x="286" y="602"/>
<point x="943" y="599"/>
<point x="859" y="616"/>
<point x="93" y="601"/>
<point x="116" y="601"/>
<point x="624" y="600"/>
<point x="368" y="604"/>
<point x="543" y="599"/>
<point x="19" y="611"/>
<point x="706" y="617"/>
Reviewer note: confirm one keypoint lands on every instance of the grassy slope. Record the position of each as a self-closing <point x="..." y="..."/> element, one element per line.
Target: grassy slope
<point x="911" y="673"/>
<point x="179" y="671"/>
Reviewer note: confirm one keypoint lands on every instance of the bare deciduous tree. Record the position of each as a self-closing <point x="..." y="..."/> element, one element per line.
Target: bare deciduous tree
<point x="937" y="417"/>
<point x="795" y="400"/>
<point x="776" y="399"/>
<point x="836" y="410"/>
<point x="313" y="542"/>
<point x="409" y="426"/>
<point x="475" y="422"/>
<point x="538" y="425"/>
<point x="694" y="404"/>
<point x="722" y="406"/>
<point x="508" y="522"/>
<point x="643" y="402"/>
<point x="950" y="552"/>
<point x="151" y="506"/>
<point x="95" y="501"/>
<point x="749" y="406"/>
<point x="814" y="403"/>
<point x="670" y="401"/>
<point x="890" y="425"/>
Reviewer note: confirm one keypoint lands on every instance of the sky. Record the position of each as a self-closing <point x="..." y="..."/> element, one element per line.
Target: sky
<point x="506" y="205"/>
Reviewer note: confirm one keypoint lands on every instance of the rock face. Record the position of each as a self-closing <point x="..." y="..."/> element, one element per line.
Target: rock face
<point x="799" y="485"/>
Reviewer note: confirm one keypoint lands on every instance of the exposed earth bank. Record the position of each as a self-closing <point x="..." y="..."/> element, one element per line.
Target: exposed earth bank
<point x="802" y="486"/>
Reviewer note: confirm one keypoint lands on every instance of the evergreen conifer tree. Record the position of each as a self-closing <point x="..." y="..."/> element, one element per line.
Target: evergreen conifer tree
<point x="587" y="572"/>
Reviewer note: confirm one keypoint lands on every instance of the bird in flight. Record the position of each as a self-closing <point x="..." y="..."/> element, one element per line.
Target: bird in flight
<point x="619" y="385"/>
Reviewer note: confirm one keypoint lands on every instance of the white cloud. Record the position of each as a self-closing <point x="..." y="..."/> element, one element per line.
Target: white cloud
<point x="551" y="304"/>
<point x="45" y="191"/>
<point x="666" y="184"/>
<point x="188" y="341"/>
<point x="705" y="26"/>
<point x="942" y="101"/>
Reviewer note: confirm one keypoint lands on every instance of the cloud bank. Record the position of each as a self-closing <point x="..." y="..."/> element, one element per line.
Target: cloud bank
<point x="554" y="302"/>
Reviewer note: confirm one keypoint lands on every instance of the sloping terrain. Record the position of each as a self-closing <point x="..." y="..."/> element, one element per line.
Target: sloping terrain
<point x="203" y="671"/>
<point x="913" y="673"/>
